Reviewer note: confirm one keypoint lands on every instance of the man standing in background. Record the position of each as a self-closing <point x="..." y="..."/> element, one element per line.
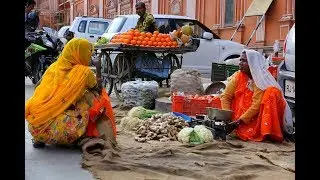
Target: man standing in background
<point x="146" y="22"/>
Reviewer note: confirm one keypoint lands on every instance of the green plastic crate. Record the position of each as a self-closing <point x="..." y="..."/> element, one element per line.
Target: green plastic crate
<point x="218" y="72"/>
<point x="231" y="69"/>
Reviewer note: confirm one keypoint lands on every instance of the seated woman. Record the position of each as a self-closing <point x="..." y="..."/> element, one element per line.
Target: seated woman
<point x="69" y="103"/>
<point x="256" y="99"/>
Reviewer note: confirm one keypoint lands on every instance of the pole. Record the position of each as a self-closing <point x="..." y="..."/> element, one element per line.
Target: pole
<point x="255" y="29"/>
<point x="237" y="28"/>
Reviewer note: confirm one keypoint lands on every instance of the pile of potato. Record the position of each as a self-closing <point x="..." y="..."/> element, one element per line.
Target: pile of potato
<point x="162" y="127"/>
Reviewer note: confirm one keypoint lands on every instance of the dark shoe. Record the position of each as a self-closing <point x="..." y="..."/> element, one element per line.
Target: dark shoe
<point x="38" y="144"/>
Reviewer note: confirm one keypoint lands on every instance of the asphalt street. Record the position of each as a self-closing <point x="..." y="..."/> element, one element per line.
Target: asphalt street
<point x="51" y="163"/>
<point x="54" y="163"/>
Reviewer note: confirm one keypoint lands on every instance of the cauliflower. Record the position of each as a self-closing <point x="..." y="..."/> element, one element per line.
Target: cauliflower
<point x="124" y="122"/>
<point x="184" y="134"/>
<point x="130" y="124"/>
<point x="203" y="133"/>
<point x="136" y="111"/>
<point x="141" y="113"/>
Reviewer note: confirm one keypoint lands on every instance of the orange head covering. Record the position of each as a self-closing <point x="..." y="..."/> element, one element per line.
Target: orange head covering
<point x="63" y="83"/>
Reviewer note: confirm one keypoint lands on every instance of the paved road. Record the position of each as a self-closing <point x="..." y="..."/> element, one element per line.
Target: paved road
<point x="51" y="163"/>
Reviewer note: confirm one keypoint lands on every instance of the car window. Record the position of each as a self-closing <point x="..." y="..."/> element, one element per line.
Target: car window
<point x="163" y="25"/>
<point x="116" y="25"/>
<point x="198" y="29"/>
<point x="97" y="27"/>
<point x="82" y="26"/>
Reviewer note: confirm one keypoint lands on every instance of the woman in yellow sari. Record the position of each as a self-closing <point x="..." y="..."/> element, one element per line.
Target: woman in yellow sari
<point x="69" y="99"/>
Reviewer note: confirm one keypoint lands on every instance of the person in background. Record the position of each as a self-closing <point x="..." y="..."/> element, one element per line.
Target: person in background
<point x="260" y="110"/>
<point x="146" y="22"/>
<point x="31" y="17"/>
<point x="29" y="6"/>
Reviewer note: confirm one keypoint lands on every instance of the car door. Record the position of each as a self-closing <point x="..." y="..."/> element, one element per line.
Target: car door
<point x="208" y="51"/>
<point x="81" y="29"/>
<point x="95" y="30"/>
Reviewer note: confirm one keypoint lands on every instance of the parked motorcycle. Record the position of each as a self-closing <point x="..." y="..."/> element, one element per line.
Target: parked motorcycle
<point x="42" y="48"/>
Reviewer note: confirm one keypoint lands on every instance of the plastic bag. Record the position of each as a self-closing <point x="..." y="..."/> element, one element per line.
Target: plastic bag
<point x="187" y="81"/>
<point x="234" y="61"/>
<point x="140" y="93"/>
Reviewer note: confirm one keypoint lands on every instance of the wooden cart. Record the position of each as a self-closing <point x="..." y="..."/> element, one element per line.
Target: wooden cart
<point x="123" y="68"/>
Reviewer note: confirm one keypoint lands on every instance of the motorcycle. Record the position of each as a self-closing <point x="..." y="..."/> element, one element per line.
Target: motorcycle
<point x="42" y="48"/>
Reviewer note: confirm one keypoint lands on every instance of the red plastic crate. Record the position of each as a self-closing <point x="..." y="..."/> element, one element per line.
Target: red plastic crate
<point x="274" y="71"/>
<point x="192" y="106"/>
<point x="216" y="103"/>
<point x="177" y="103"/>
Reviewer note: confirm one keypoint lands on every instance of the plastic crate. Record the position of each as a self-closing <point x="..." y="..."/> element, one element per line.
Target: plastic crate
<point x="194" y="106"/>
<point x="215" y="103"/>
<point x="277" y="60"/>
<point x="177" y="103"/>
<point x="231" y="69"/>
<point x="274" y="71"/>
<point x="218" y="72"/>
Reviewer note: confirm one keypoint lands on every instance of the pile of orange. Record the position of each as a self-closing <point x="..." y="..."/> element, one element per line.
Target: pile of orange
<point x="137" y="38"/>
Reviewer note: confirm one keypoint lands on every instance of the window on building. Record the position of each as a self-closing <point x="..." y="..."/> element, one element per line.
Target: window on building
<point x="96" y="27"/>
<point x="229" y="13"/>
<point x="82" y="26"/>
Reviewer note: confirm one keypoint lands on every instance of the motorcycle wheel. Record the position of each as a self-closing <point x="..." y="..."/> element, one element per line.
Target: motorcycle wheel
<point x="36" y="73"/>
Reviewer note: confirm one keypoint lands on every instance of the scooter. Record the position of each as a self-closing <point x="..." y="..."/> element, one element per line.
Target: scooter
<point x="41" y="50"/>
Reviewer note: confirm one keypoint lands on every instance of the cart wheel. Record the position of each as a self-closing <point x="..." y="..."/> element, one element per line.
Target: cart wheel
<point x="106" y="68"/>
<point x="121" y="68"/>
<point x="175" y="64"/>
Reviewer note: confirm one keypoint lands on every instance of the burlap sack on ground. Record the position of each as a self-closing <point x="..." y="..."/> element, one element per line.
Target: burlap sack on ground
<point x="187" y="81"/>
<point x="231" y="160"/>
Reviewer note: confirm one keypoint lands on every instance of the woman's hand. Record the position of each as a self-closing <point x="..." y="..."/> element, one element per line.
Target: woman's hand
<point x="232" y="126"/>
<point x="97" y="61"/>
<point x="244" y="121"/>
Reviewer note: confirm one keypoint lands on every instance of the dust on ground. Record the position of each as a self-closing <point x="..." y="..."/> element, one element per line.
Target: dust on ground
<point x="230" y="160"/>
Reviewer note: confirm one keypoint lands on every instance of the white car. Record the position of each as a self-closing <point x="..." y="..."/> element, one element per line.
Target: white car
<point x="90" y="28"/>
<point x="211" y="49"/>
<point x="286" y="76"/>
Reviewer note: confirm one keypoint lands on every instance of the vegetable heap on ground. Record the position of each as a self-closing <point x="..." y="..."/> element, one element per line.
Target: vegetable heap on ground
<point x="136" y="117"/>
<point x="141" y="112"/>
<point x="162" y="127"/>
<point x="145" y="39"/>
<point x="197" y="135"/>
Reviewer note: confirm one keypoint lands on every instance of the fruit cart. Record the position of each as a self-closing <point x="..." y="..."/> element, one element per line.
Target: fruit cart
<point x="131" y="61"/>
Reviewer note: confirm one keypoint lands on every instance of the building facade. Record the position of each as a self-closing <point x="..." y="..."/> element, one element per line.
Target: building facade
<point x="222" y="16"/>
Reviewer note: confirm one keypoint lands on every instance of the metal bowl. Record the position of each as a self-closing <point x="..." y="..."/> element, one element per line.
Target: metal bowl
<point x="219" y="114"/>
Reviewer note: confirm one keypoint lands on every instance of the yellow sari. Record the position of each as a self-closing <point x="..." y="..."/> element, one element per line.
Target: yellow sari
<point x="64" y="85"/>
